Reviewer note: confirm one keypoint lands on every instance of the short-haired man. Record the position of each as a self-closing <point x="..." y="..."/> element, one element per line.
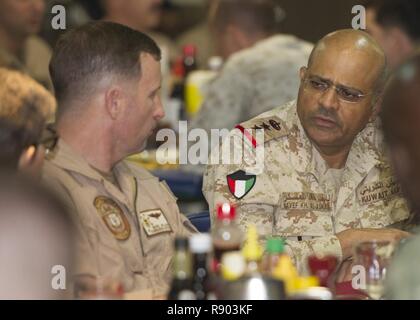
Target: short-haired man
<point x="107" y="78"/>
<point x="324" y="182"/>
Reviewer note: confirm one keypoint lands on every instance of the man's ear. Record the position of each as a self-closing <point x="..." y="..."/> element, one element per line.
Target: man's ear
<point x="114" y="101"/>
<point x="302" y="72"/>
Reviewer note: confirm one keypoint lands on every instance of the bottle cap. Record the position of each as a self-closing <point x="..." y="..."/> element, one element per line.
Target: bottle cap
<point x="190" y="50"/>
<point x="200" y="243"/>
<point x="226" y="211"/>
<point x="275" y="245"/>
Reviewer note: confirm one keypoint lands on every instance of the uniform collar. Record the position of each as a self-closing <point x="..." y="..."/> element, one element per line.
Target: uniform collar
<point x="65" y="157"/>
<point x="364" y="154"/>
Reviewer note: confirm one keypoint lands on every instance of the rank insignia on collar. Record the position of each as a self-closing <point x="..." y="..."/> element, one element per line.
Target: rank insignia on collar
<point x="113" y="216"/>
<point x="241" y="183"/>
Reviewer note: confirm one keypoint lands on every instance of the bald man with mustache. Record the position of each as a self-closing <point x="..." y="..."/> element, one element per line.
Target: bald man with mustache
<point x="324" y="183"/>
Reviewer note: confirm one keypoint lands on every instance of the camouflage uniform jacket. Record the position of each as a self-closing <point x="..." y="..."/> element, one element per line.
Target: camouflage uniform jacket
<point x="289" y="193"/>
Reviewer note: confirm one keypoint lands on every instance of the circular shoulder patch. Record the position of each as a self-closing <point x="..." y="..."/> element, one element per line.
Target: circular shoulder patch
<point x="113" y="216"/>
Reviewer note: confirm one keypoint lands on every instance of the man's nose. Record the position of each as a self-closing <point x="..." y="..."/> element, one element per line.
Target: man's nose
<point x="329" y="98"/>
<point x="160" y="111"/>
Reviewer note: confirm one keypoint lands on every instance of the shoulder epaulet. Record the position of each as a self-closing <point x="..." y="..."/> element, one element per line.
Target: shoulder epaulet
<point x="272" y="126"/>
<point x="140" y="172"/>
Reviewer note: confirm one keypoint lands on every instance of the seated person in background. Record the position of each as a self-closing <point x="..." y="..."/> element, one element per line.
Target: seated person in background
<point x="401" y="118"/>
<point x="395" y="24"/>
<point x="262" y="67"/>
<point x="20" y="48"/>
<point x="25" y="107"/>
<point x="36" y="239"/>
<point x="144" y="16"/>
<point x="324" y="183"/>
<point x="200" y="36"/>
<point x="107" y="78"/>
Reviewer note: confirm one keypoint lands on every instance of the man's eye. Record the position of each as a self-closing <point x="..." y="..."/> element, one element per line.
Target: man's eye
<point x="319" y="85"/>
<point x="349" y="94"/>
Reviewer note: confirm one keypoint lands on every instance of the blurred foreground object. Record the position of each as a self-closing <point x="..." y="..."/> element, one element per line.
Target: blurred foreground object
<point x="401" y="117"/>
<point x="36" y="234"/>
<point x="25" y="107"/>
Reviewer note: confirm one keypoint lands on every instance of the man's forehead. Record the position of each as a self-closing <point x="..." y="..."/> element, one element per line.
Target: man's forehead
<point x="348" y="67"/>
<point x="150" y="70"/>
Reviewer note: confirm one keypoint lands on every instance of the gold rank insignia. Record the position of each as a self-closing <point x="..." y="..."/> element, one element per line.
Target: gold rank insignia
<point x="113" y="217"/>
<point x="154" y="222"/>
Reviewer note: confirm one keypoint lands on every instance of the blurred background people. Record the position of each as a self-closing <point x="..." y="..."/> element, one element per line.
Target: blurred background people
<point x="36" y="234"/>
<point x="395" y="24"/>
<point x="262" y="65"/>
<point x="20" y="48"/>
<point x="401" y="118"/>
<point x="25" y="106"/>
<point x="140" y="15"/>
<point x="200" y="36"/>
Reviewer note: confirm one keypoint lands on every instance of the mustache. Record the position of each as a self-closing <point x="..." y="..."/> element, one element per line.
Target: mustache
<point x="327" y="113"/>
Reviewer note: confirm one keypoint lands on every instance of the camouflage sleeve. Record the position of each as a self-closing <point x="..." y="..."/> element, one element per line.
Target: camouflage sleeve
<point x="241" y="184"/>
<point x="226" y="98"/>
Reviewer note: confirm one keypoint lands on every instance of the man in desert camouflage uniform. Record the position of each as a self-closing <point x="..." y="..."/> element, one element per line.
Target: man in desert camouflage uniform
<point x="262" y="71"/>
<point x="324" y="182"/>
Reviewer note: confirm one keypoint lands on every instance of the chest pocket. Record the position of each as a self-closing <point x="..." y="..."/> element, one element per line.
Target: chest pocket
<point x="154" y="213"/>
<point x="304" y="215"/>
<point x="381" y="203"/>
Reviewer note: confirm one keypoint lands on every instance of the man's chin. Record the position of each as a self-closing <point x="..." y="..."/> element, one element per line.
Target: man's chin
<point x="324" y="138"/>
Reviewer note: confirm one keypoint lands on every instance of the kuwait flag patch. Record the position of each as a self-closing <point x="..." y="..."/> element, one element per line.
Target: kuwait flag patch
<point x="240" y="183"/>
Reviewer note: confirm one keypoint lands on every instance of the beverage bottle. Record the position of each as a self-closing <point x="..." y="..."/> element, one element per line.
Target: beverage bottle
<point x="274" y="249"/>
<point x="200" y="248"/>
<point x="226" y="235"/>
<point x="286" y="272"/>
<point x="189" y="58"/>
<point x="177" y="98"/>
<point x="182" y="284"/>
<point x="323" y="267"/>
<point x="252" y="252"/>
<point x="196" y="86"/>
